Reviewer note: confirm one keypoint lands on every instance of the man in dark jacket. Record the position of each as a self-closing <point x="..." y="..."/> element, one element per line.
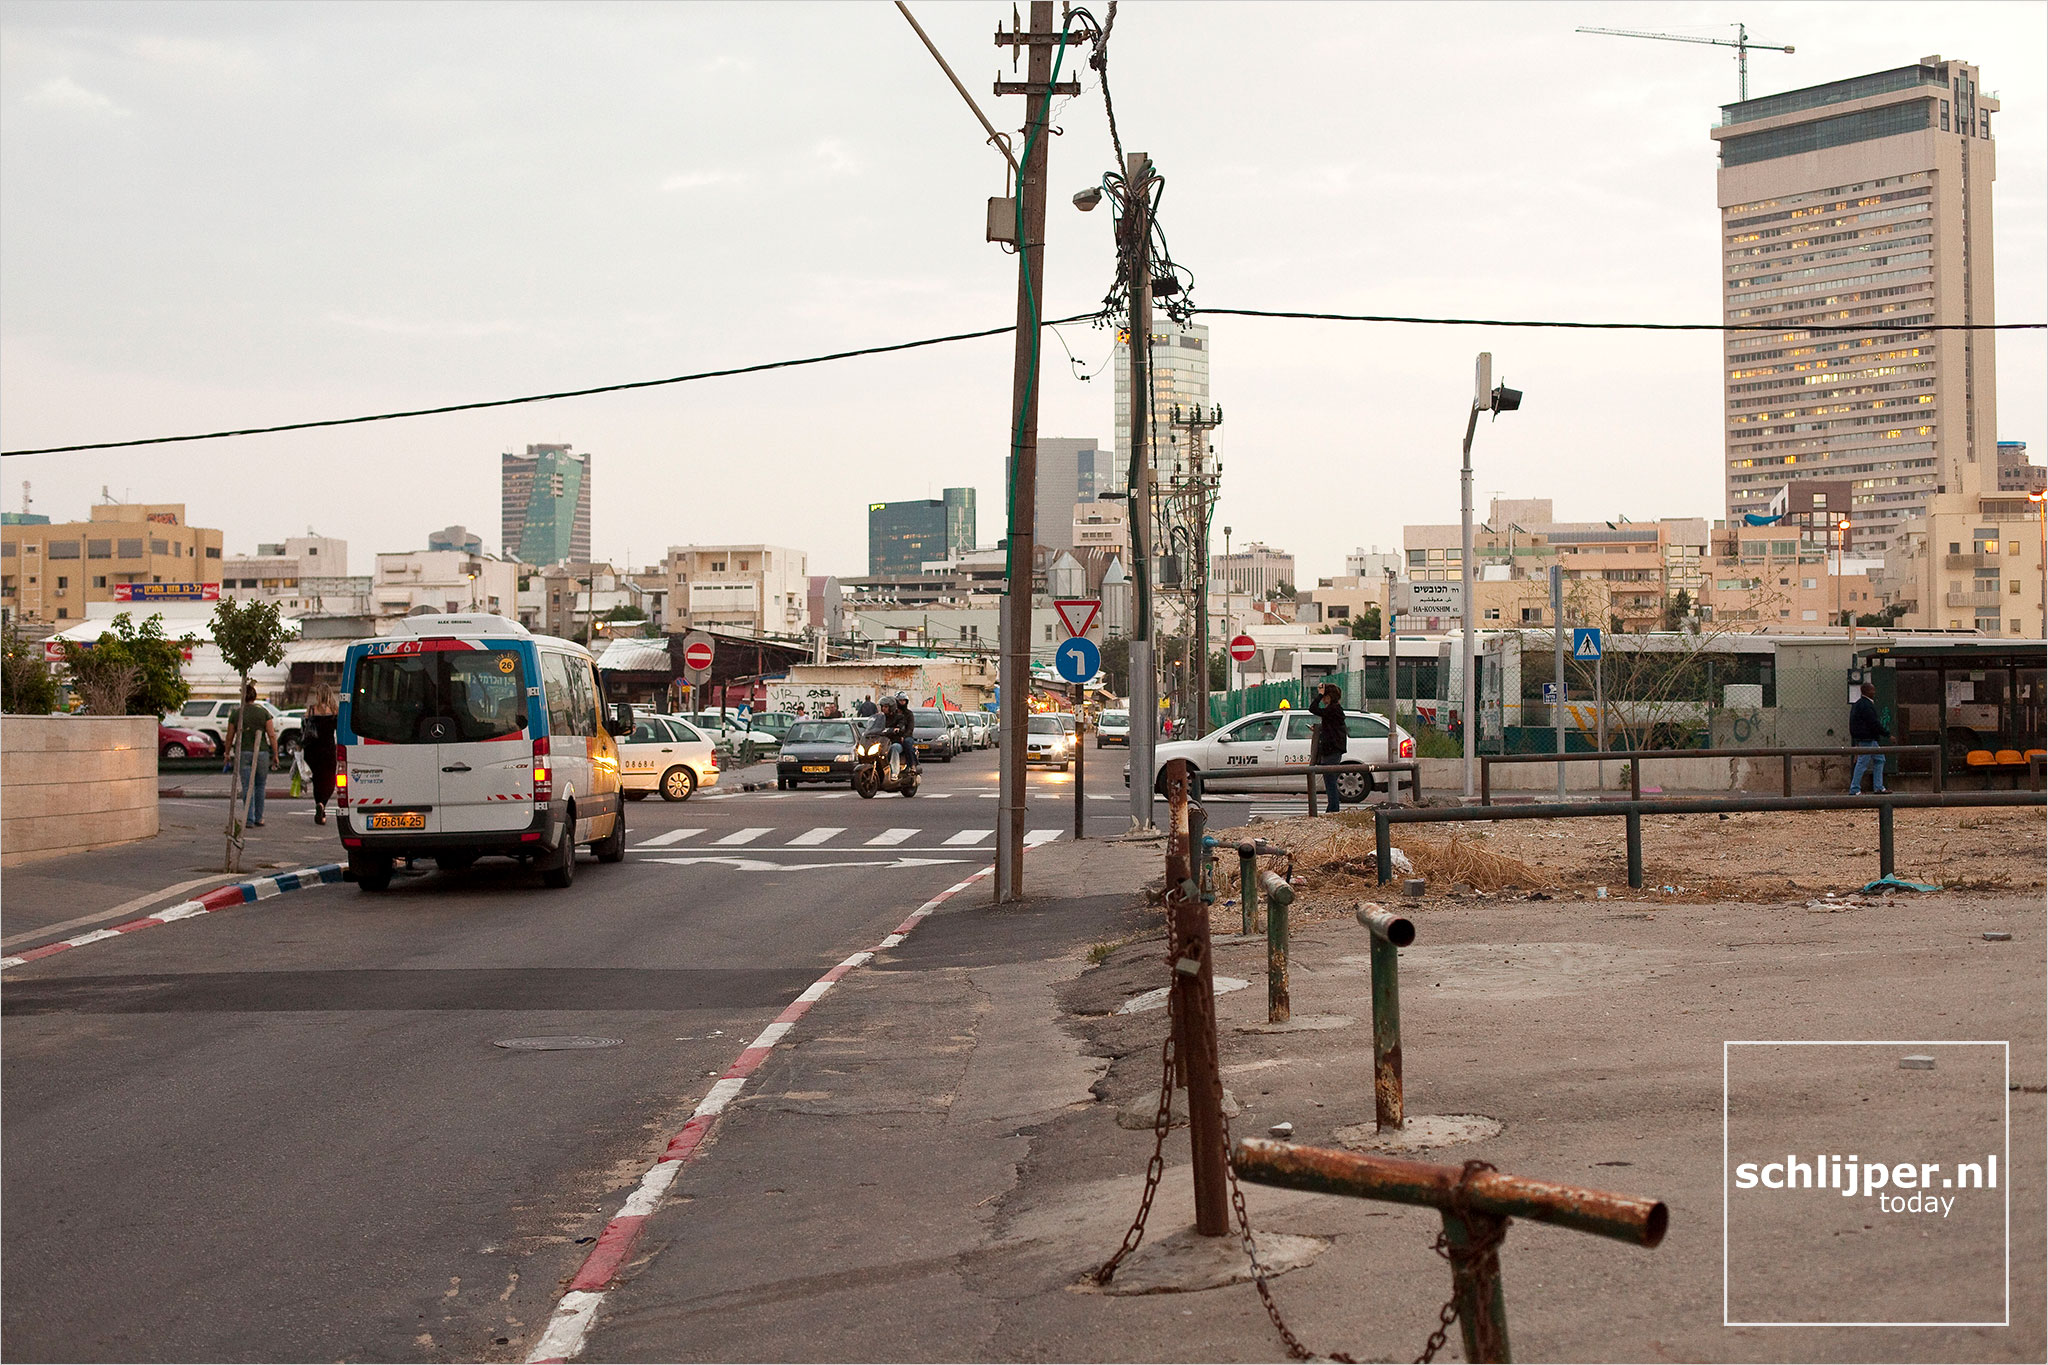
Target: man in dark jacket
<point x="1332" y="741"/>
<point x="1866" y="728"/>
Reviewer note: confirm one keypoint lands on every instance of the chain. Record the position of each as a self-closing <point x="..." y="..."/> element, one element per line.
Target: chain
<point x="1162" y="1124"/>
<point x="1466" y="1262"/>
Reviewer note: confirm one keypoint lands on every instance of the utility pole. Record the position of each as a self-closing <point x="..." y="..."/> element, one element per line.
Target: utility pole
<point x="1201" y="488"/>
<point x="1557" y="631"/>
<point x="1014" y="671"/>
<point x="1144" y="678"/>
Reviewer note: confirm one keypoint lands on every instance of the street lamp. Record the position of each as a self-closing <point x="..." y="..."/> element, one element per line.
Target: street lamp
<point x="1486" y="397"/>
<point x="2040" y="500"/>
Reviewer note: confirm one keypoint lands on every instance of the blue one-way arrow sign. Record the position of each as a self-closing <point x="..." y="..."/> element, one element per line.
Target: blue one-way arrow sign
<point x="1585" y="642"/>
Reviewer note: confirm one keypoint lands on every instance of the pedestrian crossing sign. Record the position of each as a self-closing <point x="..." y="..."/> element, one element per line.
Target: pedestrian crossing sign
<point x="1585" y="642"/>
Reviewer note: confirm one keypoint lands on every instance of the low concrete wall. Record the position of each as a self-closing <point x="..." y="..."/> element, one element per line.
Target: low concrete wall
<point x="71" y="783"/>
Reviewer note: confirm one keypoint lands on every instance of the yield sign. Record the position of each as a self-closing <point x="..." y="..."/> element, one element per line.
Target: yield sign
<point x="1078" y="614"/>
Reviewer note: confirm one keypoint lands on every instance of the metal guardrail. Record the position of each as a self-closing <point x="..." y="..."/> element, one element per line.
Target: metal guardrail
<point x="1199" y="781"/>
<point x="1633" y="811"/>
<point x="1635" y="758"/>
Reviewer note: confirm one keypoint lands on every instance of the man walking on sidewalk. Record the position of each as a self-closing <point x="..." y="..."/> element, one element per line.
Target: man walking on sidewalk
<point x="1332" y="743"/>
<point x="1866" y="729"/>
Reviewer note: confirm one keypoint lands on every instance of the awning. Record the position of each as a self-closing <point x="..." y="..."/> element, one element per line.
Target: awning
<point x="636" y="656"/>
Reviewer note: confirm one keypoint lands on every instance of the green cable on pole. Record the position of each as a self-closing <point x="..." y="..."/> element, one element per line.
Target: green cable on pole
<point x="1031" y="303"/>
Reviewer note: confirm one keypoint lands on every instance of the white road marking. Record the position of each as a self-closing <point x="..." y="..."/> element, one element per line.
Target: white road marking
<point x="674" y="836"/>
<point x="820" y="835"/>
<point x="1040" y="836"/>
<point x="763" y="865"/>
<point x="890" y="836"/>
<point x="744" y="836"/>
<point x="969" y="836"/>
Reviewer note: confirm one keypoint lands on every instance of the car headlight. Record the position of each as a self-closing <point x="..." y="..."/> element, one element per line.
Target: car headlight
<point x="842" y="758"/>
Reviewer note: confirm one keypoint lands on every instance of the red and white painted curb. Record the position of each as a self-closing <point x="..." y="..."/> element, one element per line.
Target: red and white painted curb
<point x="569" y="1326"/>
<point x="222" y="898"/>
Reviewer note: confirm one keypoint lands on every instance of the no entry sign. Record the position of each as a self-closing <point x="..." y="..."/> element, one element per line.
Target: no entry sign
<point x="1242" y="647"/>
<point x="697" y="653"/>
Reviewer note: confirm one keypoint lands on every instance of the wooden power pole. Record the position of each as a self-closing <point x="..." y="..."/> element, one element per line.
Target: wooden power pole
<point x="1015" y="668"/>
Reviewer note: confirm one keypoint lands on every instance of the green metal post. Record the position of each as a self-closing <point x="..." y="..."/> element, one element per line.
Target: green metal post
<point x="1635" y="848"/>
<point x="1383" y="845"/>
<point x="1482" y="1306"/>
<point x="1885" y="847"/>
<point x="1279" y="895"/>
<point x="1248" y="883"/>
<point x="1390" y="933"/>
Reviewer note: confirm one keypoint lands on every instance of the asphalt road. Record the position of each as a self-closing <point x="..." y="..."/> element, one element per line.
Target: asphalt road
<point x="284" y="1131"/>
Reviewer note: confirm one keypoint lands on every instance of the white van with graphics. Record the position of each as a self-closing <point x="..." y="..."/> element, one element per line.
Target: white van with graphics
<point x="465" y="736"/>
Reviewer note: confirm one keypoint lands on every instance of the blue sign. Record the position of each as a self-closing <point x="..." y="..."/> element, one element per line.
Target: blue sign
<point x="1585" y="642"/>
<point x="1550" y="692"/>
<point x="1077" y="660"/>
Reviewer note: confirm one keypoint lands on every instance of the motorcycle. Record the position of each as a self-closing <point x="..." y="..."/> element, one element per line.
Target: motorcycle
<point x="877" y="769"/>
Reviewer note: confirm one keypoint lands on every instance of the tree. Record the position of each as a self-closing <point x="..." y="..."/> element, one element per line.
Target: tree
<point x="1283" y="589"/>
<point x="1677" y="609"/>
<point x="1116" y="665"/>
<point x="153" y="664"/>
<point x="25" y="685"/>
<point x="1366" y="625"/>
<point x="247" y="634"/>
<point x="1883" y="619"/>
<point x="625" y="612"/>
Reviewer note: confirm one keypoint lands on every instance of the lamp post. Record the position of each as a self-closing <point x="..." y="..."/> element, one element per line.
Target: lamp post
<point x="1486" y="397"/>
<point x="2040" y="500"/>
<point x="1841" y="572"/>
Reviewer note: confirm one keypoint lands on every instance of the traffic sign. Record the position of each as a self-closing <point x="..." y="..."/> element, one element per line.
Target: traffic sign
<point x="1430" y="599"/>
<point x="697" y="654"/>
<point x="1242" y="647"/>
<point x="1077" y="659"/>
<point x="1585" y="642"/>
<point x="1550" y="693"/>
<point x="1079" y="614"/>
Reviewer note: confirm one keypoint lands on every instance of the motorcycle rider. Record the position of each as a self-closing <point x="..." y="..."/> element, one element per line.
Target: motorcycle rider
<point x="900" y="728"/>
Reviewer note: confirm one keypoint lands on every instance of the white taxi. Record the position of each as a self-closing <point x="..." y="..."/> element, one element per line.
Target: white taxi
<point x="1274" y="742"/>
<point x="665" y="754"/>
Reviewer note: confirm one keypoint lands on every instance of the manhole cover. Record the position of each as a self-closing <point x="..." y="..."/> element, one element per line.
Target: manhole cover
<point x="568" y="1042"/>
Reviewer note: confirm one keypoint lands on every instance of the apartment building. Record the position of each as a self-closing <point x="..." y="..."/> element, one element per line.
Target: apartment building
<point x="304" y="575"/>
<point x="750" y="589"/>
<point x="443" y="580"/>
<point x="1853" y="214"/>
<point x="1976" y="567"/>
<point x="49" y="571"/>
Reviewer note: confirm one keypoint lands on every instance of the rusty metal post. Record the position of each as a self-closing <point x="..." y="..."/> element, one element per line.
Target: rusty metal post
<point x="1194" y="991"/>
<point x="1390" y="932"/>
<point x="1635" y="777"/>
<point x="1634" y="820"/>
<point x="1482" y="1305"/>
<point x="1311" y="794"/>
<point x="1279" y="895"/>
<point x="1248" y="882"/>
<point x="1788" y="773"/>
<point x="1486" y="779"/>
<point x="1383" y="845"/>
<point x="1885" y="847"/>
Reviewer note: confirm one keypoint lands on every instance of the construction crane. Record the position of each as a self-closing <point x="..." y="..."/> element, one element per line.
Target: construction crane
<point x="1740" y="43"/>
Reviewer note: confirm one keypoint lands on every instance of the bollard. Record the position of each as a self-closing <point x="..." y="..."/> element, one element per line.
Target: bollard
<point x="1383" y="845"/>
<point x="1788" y="774"/>
<point x="1390" y="932"/>
<point x="1279" y="895"/>
<point x="1193" y="1000"/>
<point x="1885" y="861"/>
<point x="1475" y="1202"/>
<point x="1199" y="844"/>
<point x="1248" y="881"/>
<point x="1634" y="819"/>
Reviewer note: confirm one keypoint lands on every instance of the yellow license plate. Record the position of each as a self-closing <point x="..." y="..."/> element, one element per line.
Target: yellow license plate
<point x="405" y="819"/>
<point x="817" y="767"/>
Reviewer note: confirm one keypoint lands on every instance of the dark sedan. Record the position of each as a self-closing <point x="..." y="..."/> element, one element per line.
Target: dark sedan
<point x="816" y="751"/>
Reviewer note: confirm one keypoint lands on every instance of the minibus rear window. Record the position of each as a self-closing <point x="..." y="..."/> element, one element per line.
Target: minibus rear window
<point x="439" y="696"/>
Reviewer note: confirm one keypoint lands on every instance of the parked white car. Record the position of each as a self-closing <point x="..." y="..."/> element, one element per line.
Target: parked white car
<point x="1113" y="727"/>
<point x="213" y="717"/>
<point x="1273" y="742"/>
<point x="666" y="754"/>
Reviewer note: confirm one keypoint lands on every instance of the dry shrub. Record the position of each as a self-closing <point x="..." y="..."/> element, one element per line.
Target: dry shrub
<point x="1337" y="854"/>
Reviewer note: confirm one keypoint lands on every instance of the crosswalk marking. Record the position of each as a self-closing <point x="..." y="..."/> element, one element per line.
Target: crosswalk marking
<point x="969" y="836"/>
<point x="816" y="836"/>
<point x="674" y="836"/>
<point x="1040" y="836"/>
<point x="890" y="836"/>
<point x="743" y="836"/>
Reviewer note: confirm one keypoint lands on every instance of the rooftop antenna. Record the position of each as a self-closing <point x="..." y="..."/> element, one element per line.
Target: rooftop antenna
<point x="1741" y="43"/>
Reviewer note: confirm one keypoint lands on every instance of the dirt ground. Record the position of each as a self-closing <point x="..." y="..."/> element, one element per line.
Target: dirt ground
<point x="1761" y="857"/>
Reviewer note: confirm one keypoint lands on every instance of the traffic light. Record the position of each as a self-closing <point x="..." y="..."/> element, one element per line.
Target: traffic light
<point x="1505" y="399"/>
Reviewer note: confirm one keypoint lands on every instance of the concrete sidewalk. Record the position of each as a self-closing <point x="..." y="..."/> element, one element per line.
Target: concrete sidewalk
<point x="931" y="1164"/>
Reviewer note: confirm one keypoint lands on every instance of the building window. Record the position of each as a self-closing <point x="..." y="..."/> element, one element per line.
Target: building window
<point x="1532" y="616"/>
<point x="99" y="580"/>
<point x="99" y="549"/>
<point x="1491" y="614"/>
<point x="743" y="565"/>
<point x="62" y="549"/>
<point x="2012" y="547"/>
<point x="62" y="583"/>
<point x="213" y="552"/>
<point x="63" y="613"/>
<point x="2015" y="587"/>
<point x="2015" y="625"/>
<point x="718" y="566"/>
<point x="128" y="548"/>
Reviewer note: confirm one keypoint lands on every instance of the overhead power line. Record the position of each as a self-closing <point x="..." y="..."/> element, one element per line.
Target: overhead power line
<point x="1095" y="316"/>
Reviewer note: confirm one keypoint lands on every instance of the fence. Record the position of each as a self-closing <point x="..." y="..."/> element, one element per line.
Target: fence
<point x="1634" y="759"/>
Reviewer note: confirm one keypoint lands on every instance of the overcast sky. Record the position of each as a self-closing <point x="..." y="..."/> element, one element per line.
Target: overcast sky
<point x="224" y="215"/>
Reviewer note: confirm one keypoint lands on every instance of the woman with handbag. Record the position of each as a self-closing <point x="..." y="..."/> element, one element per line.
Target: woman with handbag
<point x="322" y="714"/>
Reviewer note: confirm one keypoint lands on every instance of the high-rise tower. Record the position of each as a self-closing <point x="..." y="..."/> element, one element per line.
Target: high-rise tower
<point x="546" y="504"/>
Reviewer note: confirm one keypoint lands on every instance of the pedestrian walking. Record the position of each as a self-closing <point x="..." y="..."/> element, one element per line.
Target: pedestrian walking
<point x="1867" y="729"/>
<point x="317" y="744"/>
<point x="864" y="708"/>
<point x="1332" y="740"/>
<point x="252" y="739"/>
